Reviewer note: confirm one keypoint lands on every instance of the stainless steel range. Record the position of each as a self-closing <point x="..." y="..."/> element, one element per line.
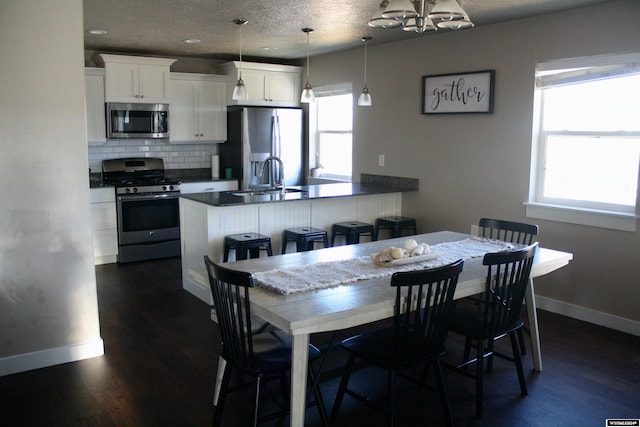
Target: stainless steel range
<point x="147" y="207"/>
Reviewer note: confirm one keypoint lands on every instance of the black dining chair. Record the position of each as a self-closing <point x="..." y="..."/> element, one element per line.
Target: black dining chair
<point x="498" y="315"/>
<point x="423" y="303"/>
<point x="512" y="232"/>
<point x="507" y="231"/>
<point x="262" y="356"/>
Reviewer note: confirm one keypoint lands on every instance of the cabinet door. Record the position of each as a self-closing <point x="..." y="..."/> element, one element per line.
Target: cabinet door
<point x="256" y="83"/>
<point x="121" y="82"/>
<point x="213" y="111"/>
<point x="153" y="83"/>
<point x="94" y="87"/>
<point x="182" y="114"/>
<point x="284" y="88"/>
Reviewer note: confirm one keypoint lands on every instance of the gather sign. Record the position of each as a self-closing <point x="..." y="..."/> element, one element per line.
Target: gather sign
<point x="458" y="93"/>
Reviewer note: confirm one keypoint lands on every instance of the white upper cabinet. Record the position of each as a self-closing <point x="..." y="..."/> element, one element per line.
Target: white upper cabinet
<point x="198" y="108"/>
<point x="267" y="84"/>
<point x="136" y="79"/>
<point x="94" y="90"/>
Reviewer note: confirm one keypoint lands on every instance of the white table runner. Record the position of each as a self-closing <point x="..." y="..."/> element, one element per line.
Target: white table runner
<point x="327" y="274"/>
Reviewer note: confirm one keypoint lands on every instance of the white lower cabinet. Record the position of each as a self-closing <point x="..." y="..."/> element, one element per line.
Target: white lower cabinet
<point x="104" y="225"/>
<point x="203" y="227"/>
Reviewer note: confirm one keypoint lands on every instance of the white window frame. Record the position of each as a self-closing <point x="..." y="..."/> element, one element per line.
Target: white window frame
<point x="314" y="133"/>
<point x="572" y="211"/>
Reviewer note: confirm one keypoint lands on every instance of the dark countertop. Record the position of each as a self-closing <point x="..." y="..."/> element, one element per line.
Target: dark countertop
<point x="306" y="192"/>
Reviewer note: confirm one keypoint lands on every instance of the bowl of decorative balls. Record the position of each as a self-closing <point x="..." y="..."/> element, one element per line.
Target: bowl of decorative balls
<point x="410" y="252"/>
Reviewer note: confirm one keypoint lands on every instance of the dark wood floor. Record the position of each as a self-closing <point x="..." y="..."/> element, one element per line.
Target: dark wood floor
<point x="161" y="353"/>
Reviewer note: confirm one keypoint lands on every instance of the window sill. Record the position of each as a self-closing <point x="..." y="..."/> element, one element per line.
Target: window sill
<point x="590" y="217"/>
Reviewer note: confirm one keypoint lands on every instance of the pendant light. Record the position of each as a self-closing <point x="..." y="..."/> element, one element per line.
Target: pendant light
<point x="364" y="100"/>
<point x="240" y="90"/>
<point x="377" y="21"/>
<point x="307" y="93"/>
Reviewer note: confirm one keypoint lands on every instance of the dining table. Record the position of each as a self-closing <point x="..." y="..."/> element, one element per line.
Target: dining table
<point x="357" y="301"/>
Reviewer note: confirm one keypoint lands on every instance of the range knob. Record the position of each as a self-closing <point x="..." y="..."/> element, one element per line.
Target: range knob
<point x="135" y="189"/>
<point x="164" y="188"/>
<point x="127" y="190"/>
<point x="171" y="187"/>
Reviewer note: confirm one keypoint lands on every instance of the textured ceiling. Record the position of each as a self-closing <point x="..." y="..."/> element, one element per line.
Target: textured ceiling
<point x="158" y="27"/>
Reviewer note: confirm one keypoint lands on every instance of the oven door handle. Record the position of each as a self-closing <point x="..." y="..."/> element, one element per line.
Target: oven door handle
<point x="135" y="197"/>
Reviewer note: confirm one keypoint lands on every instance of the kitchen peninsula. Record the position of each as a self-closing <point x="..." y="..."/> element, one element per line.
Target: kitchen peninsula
<point x="206" y="218"/>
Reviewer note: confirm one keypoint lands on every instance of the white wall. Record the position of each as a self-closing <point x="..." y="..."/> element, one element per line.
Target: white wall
<point x="48" y="302"/>
<point x="471" y="166"/>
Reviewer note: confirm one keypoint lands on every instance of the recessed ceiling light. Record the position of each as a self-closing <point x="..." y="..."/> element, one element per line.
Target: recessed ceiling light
<point x="97" y="32"/>
<point x="269" y="48"/>
<point x="192" y="41"/>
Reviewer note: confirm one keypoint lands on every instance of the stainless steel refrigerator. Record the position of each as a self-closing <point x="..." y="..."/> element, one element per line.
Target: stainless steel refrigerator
<point x="254" y="134"/>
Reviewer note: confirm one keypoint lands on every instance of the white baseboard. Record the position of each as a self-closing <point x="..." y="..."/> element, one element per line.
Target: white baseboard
<point x="592" y="316"/>
<point x="196" y="282"/>
<point x="50" y="357"/>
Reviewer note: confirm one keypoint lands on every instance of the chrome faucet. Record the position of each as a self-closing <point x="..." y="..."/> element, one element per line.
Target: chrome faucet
<point x="280" y="185"/>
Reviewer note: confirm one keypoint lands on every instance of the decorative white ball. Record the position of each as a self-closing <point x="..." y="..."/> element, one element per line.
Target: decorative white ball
<point x="397" y="253"/>
<point x="410" y="244"/>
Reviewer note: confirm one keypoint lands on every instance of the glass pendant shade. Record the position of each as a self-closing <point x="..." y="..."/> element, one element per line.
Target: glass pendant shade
<point x="240" y="91"/>
<point x="400" y="9"/>
<point x="307" y="96"/>
<point x="364" y="100"/>
<point x="447" y="10"/>
<point x="457" y="24"/>
<point x="377" y="21"/>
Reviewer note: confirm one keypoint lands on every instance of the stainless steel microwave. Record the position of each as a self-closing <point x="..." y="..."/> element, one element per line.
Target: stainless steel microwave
<point x="137" y="121"/>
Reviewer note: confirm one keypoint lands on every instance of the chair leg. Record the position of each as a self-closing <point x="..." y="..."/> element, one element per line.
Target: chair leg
<point x="256" y="401"/>
<point x="444" y="400"/>
<point x="319" y="400"/>
<point x="518" y="361"/>
<point x="523" y="348"/>
<point x="217" y="418"/>
<point x="393" y="405"/>
<point x="479" y="379"/>
<point x="490" y="348"/>
<point x="220" y="374"/>
<point x="342" y="388"/>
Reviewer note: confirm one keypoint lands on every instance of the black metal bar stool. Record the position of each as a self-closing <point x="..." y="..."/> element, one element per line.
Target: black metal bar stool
<point x="396" y="224"/>
<point x="352" y="230"/>
<point x="246" y="243"/>
<point x="305" y="237"/>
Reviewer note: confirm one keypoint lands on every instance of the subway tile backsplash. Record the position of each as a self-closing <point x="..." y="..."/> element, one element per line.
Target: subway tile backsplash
<point x="176" y="156"/>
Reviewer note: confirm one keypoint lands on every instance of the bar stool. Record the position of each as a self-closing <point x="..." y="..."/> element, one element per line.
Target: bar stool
<point x="396" y="224"/>
<point x="352" y="230"/>
<point x="244" y="243"/>
<point x="305" y="237"/>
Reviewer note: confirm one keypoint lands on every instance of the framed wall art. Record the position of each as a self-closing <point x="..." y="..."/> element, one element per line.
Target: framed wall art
<point x="458" y="93"/>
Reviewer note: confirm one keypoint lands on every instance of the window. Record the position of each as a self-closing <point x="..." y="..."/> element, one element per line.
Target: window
<point x="586" y="144"/>
<point x="331" y="123"/>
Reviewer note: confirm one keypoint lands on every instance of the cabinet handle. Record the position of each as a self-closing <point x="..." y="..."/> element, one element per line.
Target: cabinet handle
<point x="141" y="96"/>
<point x="137" y="96"/>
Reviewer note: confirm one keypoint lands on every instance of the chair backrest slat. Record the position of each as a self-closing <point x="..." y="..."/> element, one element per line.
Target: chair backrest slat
<point x="230" y="291"/>
<point x="424" y="301"/>
<point x="506" y="283"/>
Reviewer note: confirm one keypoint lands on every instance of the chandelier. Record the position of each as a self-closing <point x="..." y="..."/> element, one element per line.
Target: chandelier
<point x="421" y="15"/>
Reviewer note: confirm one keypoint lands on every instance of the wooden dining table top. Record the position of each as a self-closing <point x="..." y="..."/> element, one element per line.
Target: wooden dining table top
<point x="364" y="301"/>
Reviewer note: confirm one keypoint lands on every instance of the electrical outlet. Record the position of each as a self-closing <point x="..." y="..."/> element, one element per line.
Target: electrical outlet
<point x="381" y="160"/>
